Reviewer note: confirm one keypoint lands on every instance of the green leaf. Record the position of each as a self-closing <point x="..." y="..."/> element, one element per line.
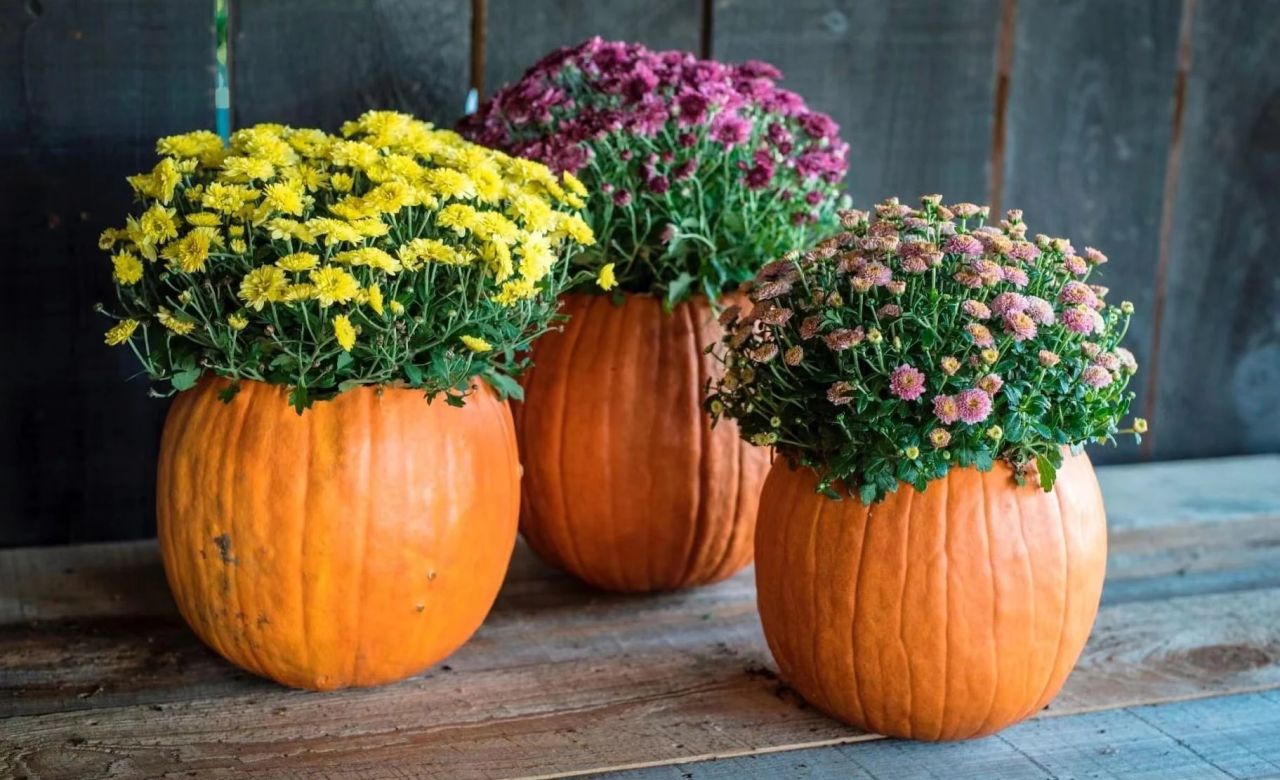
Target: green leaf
<point x="299" y="399"/>
<point x="505" y="385"/>
<point x="1048" y="473"/>
<point x="186" y="379"/>
<point x="344" y="360"/>
<point x="412" y="373"/>
<point x="679" y="288"/>
<point x="229" y="392"/>
<point x="867" y="493"/>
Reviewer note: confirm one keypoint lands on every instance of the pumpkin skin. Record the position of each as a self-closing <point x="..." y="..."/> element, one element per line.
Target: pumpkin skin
<point x="626" y="484"/>
<point x="940" y="615"/>
<point x="353" y="545"/>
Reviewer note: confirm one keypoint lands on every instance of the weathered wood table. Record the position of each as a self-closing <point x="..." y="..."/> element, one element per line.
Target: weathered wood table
<point x="99" y="677"/>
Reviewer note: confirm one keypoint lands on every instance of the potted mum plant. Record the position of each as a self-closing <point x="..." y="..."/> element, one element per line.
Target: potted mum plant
<point x="341" y="317"/>
<point x="931" y="541"/>
<point x="703" y="171"/>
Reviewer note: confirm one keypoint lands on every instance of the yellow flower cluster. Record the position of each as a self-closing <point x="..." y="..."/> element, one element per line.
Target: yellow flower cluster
<point x="285" y="217"/>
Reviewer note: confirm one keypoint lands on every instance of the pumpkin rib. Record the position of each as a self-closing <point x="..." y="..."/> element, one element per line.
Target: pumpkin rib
<point x="945" y="486"/>
<point x="302" y="544"/>
<point x="700" y="528"/>
<point x="563" y="418"/>
<point x="862" y="514"/>
<point x="812" y="563"/>
<point x="365" y="401"/>
<point x="995" y="605"/>
<point x="1066" y="594"/>
<point x="242" y="585"/>
<point x="902" y="592"/>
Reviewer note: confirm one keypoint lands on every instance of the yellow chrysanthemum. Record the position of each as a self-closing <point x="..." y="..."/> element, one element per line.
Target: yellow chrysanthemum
<point x="203" y="219"/>
<point x="536" y="257"/>
<point x="417" y="252"/>
<point x="606" y="279"/>
<point x="334" y="231"/>
<point x="344" y="332"/>
<point x="497" y="258"/>
<point x="476" y="344"/>
<point x="333" y="285"/>
<point x="126" y="268"/>
<point x="514" y="291"/>
<point x="575" y="228"/>
<point x="238" y="246"/>
<point x="190" y="253"/>
<point x="397" y="308"/>
<point x="175" y="323"/>
<point x="341" y="182"/>
<point x="237" y="322"/>
<point x="299" y="292"/>
<point x="285" y="197"/>
<point x="121" y="332"/>
<point x="246" y="169"/>
<point x="458" y="217"/>
<point x="375" y="298"/>
<point x="203" y="145"/>
<point x="282" y="228"/>
<point x="263" y="285"/>
<point x="227" y="198"/>
<point x="160" y="183"/>
<point x="574" y="184"/>
<point x="298" y="262"/>
<point x="369" y="256"/>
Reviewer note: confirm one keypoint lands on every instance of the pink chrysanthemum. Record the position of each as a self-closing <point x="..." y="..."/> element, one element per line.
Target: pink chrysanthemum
<point x="1007" y="302"/>
<point x="1078" y="292"/>
<point x="950" y="365"/>
<point x="976" y="309"/>
<point x="1040" y="310"/>
<point x="1024" y="251"/>
<point x="991" y="384"/>
<point x="1096" y="376"/>
<point x="975" y="405"/>
<point x="1094" y="256"/>
<point x="1075" y="264"/>
<point x="963" y="245"/>
<point x="1128" y="363"/>
<point x="939" y="438"/>
<point x="1020" y="325"/>
<point x="1048" y="359"/>
<point x="889" y="310"/>
<point x="1015" y="276"/>
<point x="946" y="409"/>
<point x="980" y="334"/>
<point x="1081" y="319"/>
<point x="907" y="382"/>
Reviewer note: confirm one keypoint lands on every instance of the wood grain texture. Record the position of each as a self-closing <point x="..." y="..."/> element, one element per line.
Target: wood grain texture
<point x="85" y="89"/>
<point x="911" y="83"/>
<point x="1227" y="737"/>
<point x="317" y="64"/>
<point x="519" y="32"/>
<point x="1219" y="359"/>
<point x="559" y="679"/>
<point x="1088" y="127"/>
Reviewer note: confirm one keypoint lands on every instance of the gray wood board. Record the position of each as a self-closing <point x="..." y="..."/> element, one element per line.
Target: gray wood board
<point x="85" y="89"/>
<point x="1226" y="737"/>
<point x="316" y="63"/>
<point x="1219" y="348"/>
<point x="1089" y="121"/>
<point x="912" y="83"/>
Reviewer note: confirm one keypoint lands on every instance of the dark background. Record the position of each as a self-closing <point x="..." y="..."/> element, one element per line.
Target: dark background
<point x="1147" y="128"/>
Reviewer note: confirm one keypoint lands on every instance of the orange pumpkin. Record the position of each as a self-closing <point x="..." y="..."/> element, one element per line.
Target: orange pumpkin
<point x="944" y="614"/>
<point x="356" y="544"/>
<point x="626" y="485"/>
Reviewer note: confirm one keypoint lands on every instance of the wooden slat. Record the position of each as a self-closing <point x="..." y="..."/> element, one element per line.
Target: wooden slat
<point x="1219" y="349"/>
<point x="85" y="88"/>
<point x="520" y="32"/>
<point x="1227" y="737"/>
<point x="1088" y="125"/>
<point x="316" y="63"/>
<point x="560" y="678"/>
<point x="911" y="83"/>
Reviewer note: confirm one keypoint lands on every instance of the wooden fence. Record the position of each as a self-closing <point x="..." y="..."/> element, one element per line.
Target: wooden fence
<point x="1147" y="128"/>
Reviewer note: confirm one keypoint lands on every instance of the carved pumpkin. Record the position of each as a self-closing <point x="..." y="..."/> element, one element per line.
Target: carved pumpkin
<point x="626" y="485"/>
<point x="356" y="544"/>
<point x="946" y="614"/>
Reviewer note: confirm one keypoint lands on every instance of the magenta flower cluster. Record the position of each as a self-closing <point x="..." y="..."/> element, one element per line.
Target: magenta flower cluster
<point x="637" y="126"/>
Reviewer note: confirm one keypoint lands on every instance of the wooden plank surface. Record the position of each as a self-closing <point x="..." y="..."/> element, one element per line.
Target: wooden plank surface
<point x="316" y="63"/>
<point x="85" y="89"/>
<point x="510" y="48"/>
<point x="912" y="83"/>
<point x="1088" y="125"/>
<point x="98" y="677"/>
<point x="1219" y="349"/>
<point x="1227" y="737"/>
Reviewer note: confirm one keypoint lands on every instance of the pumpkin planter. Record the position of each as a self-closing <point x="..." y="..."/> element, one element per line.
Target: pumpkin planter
<point x="626" y="484"/>
<point x="944" y="614"/>
<point x="352" y="545"/>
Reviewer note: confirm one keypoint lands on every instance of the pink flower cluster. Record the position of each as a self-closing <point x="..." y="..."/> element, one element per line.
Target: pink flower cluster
<point x="579" y="94"/>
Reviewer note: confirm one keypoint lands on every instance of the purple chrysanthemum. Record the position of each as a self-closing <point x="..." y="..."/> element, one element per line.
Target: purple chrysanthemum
<point x="1096" y="376"/>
